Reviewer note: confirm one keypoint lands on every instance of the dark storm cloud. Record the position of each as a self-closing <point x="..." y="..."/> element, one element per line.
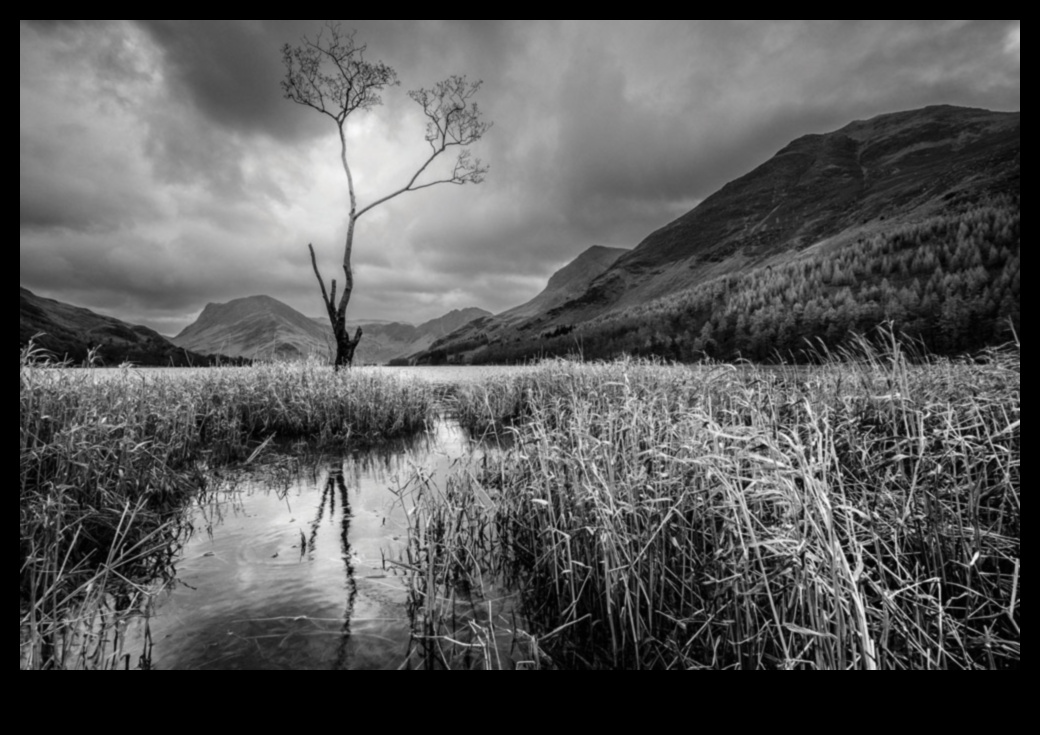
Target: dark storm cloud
<point x="230" y="73"/>
<point x="75" y="203"/>
<point x="231" y="70"/>
<point x="226" y="69"/>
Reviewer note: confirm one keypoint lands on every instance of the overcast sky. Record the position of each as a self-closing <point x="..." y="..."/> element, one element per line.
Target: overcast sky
<point x="161" y="168"/>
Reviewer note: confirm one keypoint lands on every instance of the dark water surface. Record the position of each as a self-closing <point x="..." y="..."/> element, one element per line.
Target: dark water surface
<point x="285" y="567"/>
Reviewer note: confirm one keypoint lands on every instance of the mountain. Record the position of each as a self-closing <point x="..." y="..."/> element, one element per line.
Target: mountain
<point x="72" y="332"/>
<point x="256" y="327"/>
<point x="263" y="327"/>
<point x="448" y="323"/>
<point x="856" y="199"/>
<point x="386" y="341"/>
<point x="869" y="175"/>
<point x="565" y="284"/>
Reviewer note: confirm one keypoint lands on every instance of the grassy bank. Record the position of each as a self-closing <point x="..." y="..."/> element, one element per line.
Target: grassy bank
<point x="861" y="514"/>
<point x="109" y="460"/>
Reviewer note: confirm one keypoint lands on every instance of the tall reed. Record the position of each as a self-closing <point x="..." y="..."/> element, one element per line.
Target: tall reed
<point x="864" y="513"/>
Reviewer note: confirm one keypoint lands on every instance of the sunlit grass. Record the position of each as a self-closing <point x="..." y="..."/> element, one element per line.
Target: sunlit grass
<point x="861" y="514"/>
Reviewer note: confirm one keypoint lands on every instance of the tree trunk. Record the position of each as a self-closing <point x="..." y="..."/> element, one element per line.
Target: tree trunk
<point x="345" y="345"/>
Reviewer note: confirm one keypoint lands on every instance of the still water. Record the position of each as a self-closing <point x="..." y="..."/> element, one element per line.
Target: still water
<point x="285" y="570"/>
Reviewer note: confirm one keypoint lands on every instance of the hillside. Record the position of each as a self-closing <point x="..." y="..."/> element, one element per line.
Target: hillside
<point x="256" y="327"/>
<point x="565" y="284"/>
<point x="867" y="177"/>
<point x="922" y="206"/>
<point x="386" y="341"/>
<point x="71" y="332"/>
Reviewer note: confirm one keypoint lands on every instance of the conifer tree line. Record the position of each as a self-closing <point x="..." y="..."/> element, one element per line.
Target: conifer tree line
<point x="950" y="282"/>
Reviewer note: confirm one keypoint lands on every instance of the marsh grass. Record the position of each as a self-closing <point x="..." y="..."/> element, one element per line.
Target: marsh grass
<point x="491" y="408"/>
<point x="462" y="618"/>
<point x="863" y="513"/>
<point x="109" y="460"/>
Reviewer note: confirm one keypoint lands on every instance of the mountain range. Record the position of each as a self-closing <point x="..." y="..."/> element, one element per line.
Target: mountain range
<point x="261" y="327"/>
<point x="265" y="328"/>
<point x="255" y="327"/>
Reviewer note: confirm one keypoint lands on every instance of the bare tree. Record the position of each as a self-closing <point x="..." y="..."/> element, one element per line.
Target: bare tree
<point x="330" y="74"/>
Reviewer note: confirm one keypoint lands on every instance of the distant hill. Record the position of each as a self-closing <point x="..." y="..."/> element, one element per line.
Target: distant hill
<point x="257" y="327"/>
<point x="385" y="341"/>
<point x="263" y="327"/>
<point x="565" y="284"/>
<point x="71" y="332"/>
<point x="450" y="322"/>
<point x="910" y="216"/>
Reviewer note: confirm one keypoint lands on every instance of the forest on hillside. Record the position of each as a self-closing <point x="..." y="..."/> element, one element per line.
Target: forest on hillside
<point x="951" y="283"/>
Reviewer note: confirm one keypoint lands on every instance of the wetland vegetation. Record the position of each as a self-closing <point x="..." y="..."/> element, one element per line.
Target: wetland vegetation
<point x="110" y="460"/>
<point x="860" y="513"/>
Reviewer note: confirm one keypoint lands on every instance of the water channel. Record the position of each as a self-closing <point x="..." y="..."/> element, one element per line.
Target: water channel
<point x="284" y="568"/>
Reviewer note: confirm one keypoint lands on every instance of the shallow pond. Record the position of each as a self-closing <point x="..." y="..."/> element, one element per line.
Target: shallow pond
<point x="284" y="569"/>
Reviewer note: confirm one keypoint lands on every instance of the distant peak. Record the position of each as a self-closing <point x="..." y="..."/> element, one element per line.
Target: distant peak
<point x="597" y="249"/>
<point x="261" y="298"/>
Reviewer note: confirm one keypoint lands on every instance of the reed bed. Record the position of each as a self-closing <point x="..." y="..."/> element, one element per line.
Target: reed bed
<point x="462" y="617"/>
<point x="864" y="513"/>
<point x="110" y="459"/>
<point x="493" y="406"/>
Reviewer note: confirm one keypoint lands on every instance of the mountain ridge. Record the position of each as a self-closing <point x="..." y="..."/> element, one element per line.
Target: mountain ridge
<point x="803" y="194"/>
<point x="820" y="193"/>
<point x="564" y="284"/>
<point x="568" y="280"/>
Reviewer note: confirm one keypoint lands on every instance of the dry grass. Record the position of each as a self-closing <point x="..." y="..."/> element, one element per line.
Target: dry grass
<point x="861" y="514"/>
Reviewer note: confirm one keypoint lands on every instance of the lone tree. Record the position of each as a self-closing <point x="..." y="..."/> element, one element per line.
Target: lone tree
<point x="330" y="74"/>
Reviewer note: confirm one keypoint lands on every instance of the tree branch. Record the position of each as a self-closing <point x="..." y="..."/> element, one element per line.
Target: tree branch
<point x="452" y="121"/>
<point x="330" y="74"/>
<point x="321" y="282"/>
